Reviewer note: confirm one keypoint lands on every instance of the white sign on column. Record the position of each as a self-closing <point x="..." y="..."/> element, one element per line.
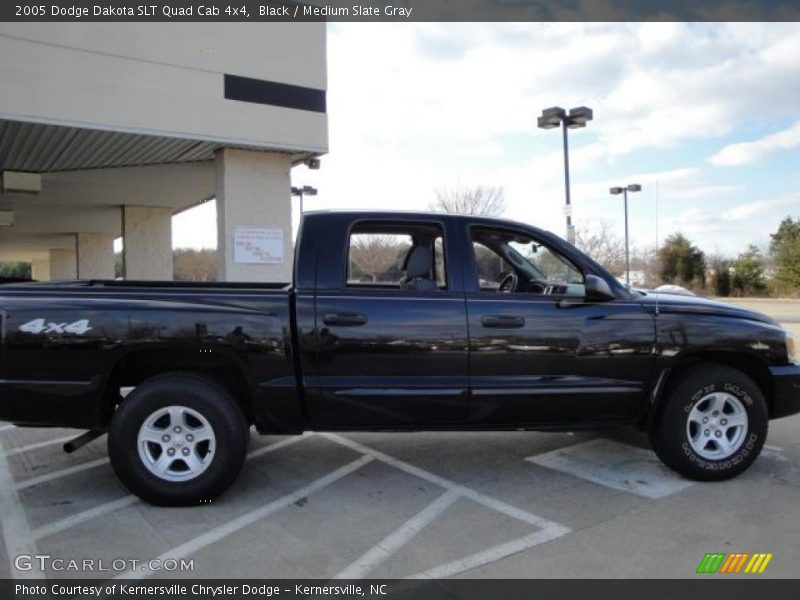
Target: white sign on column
<point x="257" y="246"/>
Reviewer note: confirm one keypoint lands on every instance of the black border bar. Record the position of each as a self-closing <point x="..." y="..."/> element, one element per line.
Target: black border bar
<point x="399" y="10"/>
<point x="701" y="588"/>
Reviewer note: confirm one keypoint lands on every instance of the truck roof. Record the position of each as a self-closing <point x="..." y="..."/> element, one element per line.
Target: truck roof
<point x="422" y="215"/>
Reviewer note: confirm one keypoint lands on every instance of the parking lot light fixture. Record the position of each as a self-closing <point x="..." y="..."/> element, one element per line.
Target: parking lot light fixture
<point x="616" y="191"/>
<point x="576" y="118"/>
<point x="306" y="190"/>
<point x="579" y="117"/>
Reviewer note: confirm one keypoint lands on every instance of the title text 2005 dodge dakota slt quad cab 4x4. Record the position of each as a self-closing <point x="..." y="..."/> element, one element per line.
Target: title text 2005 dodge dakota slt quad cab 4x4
<point x="395" y="321"/>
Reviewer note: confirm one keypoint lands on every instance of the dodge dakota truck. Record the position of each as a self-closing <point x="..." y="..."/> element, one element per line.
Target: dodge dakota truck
<point x="393" y="322"/>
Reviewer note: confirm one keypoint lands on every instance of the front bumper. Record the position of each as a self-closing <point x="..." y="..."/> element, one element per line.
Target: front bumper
<point x="785" y="391"/>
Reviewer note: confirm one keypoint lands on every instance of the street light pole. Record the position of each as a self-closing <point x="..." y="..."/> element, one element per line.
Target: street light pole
<point x="568" y="209"/>
<point x="575" y="119"/>
<point x="633" y="187"/>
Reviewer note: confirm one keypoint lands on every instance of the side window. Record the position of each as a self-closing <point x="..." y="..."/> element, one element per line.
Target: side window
<point x="554" y="267"/>
<point x="376" y="258"/>
<point x="490" y="266"/>
<point x="395" y="256"/>
<point x="538" y="268"/>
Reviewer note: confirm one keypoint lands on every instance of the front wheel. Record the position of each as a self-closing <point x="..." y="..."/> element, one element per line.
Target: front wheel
<point x="713" y="425"/>
<point x="177" y="440"/>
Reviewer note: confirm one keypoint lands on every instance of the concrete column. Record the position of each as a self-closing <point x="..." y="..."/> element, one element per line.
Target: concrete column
<point x="40" y="269"/>
<point x="95" y="256"/>
<point x="254" y="197"/>
<point x="147" y="243"/>
<point x="63" y="264"/>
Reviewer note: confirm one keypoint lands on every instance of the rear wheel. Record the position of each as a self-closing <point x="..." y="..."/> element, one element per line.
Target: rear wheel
<point x="178" y="439"/>
<point x="713" y="424"/>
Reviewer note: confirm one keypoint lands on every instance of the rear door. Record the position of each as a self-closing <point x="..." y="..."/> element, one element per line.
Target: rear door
<point x="541" y="353"/>
<point x="390" y="355"/>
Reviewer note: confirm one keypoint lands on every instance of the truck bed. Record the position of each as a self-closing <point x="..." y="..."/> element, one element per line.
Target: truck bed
<point x="67" y="347"/>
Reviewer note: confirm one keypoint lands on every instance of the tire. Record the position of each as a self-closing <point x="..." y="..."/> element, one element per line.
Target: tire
<point x="178" y="439"/>
<point x="730" y="438"/>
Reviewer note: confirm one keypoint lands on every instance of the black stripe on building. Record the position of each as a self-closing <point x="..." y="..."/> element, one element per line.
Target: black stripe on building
<point x="259" y="91"/>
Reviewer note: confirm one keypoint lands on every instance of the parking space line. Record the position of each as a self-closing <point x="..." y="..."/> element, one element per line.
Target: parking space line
<point x="83" y="516"/>
<point x="114" y="505"/>
<point x="37" y="445"/>
<point x="491" y="555"/>
<point x="61" y="473"/>
<point x="277" y="445"/>
<point x="16" y="530"/>
<point x="247" y="519"/>
<point x="393" y="542"/>
<point x="474" y="495"/>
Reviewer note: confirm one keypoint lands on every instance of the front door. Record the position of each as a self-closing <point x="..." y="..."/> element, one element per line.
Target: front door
<point x="540" y="352"/>
<point x="392" y="344"/>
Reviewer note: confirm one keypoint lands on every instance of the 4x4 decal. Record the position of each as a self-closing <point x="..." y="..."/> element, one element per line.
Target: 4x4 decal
<point x="42" y="326"/>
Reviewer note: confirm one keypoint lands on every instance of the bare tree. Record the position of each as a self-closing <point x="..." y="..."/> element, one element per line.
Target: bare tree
<point x="195" y="265"/>
<point x="374" y="254"/>
<point x="603" y="245"/>
<point x="477" y="200"/>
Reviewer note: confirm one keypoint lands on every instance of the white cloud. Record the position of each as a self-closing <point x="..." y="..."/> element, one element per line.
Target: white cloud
<point x="686" y="183"/>
<point x="745" y="153"/>
<point x="758" y="208"/>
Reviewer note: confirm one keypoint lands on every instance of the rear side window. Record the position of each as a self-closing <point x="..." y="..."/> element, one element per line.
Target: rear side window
<point x="376" y="258"/>
<point x="397" y="256"/>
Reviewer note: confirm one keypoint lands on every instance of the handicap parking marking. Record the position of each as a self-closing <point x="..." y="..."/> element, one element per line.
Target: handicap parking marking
<point x="615" y="465"/>
<point x="547" y="530"/>
<point x="389" y="545"/>
<point x="218" y="533"/>
<point x="467" y="492"/>
<point x="493" y="554"/>
<point x="393" y="542"/>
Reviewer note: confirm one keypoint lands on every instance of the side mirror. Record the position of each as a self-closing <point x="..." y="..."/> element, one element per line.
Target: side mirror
<point x="598" y="289"/>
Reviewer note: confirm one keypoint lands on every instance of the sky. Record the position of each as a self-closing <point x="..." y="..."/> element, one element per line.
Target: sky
<point x="706" y="117"/>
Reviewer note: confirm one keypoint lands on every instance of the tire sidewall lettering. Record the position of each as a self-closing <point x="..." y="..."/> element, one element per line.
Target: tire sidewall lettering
<point x="747" y="447"/>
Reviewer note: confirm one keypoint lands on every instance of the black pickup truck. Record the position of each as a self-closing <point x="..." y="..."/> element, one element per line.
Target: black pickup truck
<point x="394" y="321"/>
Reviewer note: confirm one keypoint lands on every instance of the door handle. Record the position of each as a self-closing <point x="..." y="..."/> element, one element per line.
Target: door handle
<point x="503" y="321"/>
<point x="344" y="319"/>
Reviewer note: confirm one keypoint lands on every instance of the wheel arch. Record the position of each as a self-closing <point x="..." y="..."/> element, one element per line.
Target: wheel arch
<point x="669" y="376"/>
<point x="138" y="366"/>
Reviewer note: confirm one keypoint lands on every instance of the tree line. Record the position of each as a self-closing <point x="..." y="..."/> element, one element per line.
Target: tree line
<point x="679" y="261"/>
